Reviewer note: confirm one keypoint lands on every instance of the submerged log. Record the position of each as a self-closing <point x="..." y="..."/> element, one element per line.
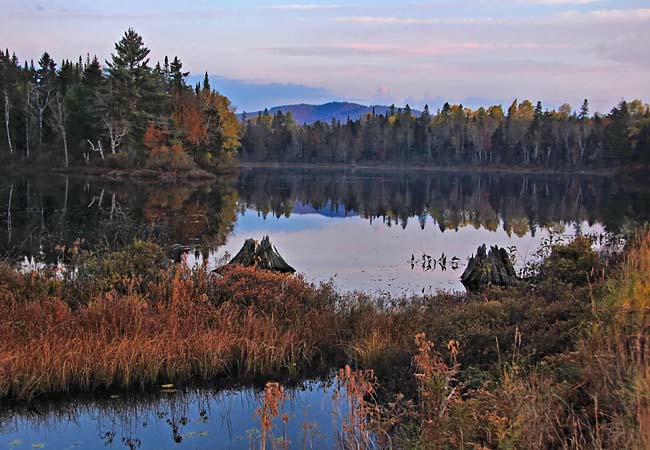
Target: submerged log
<point x="489" y="269"/>
<point x="261" y="255"/>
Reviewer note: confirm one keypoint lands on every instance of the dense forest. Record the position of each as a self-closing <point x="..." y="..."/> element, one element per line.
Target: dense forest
<point x="123" y="114"/>
<point x="524" y="135"/>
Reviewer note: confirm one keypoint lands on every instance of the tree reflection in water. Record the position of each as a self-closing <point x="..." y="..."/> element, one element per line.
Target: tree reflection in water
<point x="40" y="212"/>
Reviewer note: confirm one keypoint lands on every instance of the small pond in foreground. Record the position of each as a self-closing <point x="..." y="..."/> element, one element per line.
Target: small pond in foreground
<point x="197" y="419"/>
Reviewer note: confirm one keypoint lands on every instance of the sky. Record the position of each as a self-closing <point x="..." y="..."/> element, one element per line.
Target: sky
<point x="263" y="53"/>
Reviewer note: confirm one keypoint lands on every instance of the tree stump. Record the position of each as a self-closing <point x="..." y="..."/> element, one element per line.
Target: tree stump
<point x="489" y="269"/>
<point x="261" y="255"/>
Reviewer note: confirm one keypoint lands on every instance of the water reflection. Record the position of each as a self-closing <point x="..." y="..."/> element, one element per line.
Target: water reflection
<point x="360" y="227"/>
<point x="194" y="420"/>
<point x="43" y="212"/>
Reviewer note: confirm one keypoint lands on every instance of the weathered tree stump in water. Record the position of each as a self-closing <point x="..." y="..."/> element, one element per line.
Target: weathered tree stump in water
<point x="485" y="269"/>
<point x="261" y="255"/>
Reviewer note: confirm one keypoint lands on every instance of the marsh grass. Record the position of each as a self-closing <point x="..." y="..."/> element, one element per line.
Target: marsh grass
<point x="562" y="363"/>
<point x="591" y="393"/>
<point x="187" y="326"/>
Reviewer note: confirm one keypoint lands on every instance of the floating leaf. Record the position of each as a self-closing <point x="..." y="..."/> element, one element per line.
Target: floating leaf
<point x="203" y="433"/>
<point x="15" y="443"/>
<point x="38" y="445"/>
<point x="167" y="386"/>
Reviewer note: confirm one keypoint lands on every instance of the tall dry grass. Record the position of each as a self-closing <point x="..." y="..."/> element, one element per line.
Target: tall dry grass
<point x="189" y="325"/>
<point x="613" y="361"/>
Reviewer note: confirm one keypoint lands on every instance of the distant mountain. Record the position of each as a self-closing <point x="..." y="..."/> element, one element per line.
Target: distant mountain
<point x="304" y="113"/>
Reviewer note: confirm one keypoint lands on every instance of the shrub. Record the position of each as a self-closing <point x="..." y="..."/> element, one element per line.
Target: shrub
<point x="170" y="159"/>
<point x="139" y="263"/>
<point x="118" y="161"/>
<point x="574" y="263"/>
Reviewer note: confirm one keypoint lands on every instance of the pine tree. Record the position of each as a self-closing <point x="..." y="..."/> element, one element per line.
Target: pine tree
<point x="177" y="77"/>
<point x="618" y="142"/>
<point x="206" y="83"/>
<point x="584" y="110"/>
<point x="132" y="83"/>
<point x="92" y="74"/>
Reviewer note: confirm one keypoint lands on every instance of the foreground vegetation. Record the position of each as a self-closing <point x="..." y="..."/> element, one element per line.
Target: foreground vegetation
<point x="561" y="362"/>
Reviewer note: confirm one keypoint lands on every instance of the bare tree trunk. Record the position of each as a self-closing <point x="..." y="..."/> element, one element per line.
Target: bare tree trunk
<point x="97" y="149"/>
<point x="11" y="148"/>
<point x="65" y="146"/>
<point x="27" y="122"/>
<point x="41" y="106"/>
<point x="59" y="116"/>
<point x="113" y="207"/>
<point x="11" y="194"/>
<point x="116" y="133"/>
<point x="65" y="199"/>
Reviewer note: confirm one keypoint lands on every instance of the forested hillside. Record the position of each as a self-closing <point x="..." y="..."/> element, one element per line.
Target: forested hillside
<point x="523" y="135"/>
<point x="309" y="114"/>
<point x="126" y="113"/>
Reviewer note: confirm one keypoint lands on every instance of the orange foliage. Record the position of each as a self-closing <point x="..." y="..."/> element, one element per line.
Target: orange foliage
<point x="194" y="124"/>
<point x="186" y="327"/>
<point x="154" y="137"/>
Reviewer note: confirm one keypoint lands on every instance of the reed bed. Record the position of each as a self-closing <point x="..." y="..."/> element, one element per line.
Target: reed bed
<point x="179" y="331"/>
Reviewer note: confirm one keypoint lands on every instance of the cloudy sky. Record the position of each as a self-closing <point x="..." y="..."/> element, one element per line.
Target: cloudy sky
<point x="264" y="53"/>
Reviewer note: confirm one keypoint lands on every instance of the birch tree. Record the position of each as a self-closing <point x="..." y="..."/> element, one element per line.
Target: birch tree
<point x="59" y="118"/>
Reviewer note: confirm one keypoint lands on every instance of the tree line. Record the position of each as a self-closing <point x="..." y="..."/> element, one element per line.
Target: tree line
<point x="125" y="113"/>
<point x="525" y="134"/>
<point x="128" y="114"/>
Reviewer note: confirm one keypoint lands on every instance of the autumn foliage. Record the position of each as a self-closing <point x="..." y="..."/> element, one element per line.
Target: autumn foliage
<point x="186" y="327"/>
<point x="163" y="154"/>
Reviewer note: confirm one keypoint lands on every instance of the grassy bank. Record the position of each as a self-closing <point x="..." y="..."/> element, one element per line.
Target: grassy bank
<point x="560" y="362"/>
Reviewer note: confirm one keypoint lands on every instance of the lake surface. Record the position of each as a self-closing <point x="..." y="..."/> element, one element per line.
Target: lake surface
<point x="361" y="229"/>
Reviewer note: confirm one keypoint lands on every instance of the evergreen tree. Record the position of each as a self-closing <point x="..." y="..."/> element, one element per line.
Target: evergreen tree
<point x="134" y="87"/>
<point x="618" y="142"/>
<point x="206" y="82"/>
<point x="584" y="110"/>
<point x="177" y="77"/>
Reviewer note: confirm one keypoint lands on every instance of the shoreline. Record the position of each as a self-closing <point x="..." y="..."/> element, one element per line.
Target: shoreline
<point x="420" y="168"/>
<point x="204" y="175"/>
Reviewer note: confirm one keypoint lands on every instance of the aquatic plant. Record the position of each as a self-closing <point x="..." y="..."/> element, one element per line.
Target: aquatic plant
<point x="269" y="410"/>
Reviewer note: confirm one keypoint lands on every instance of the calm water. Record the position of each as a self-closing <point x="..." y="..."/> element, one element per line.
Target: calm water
<point x="360" y="229"/>
<point x="193" y="420"/>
